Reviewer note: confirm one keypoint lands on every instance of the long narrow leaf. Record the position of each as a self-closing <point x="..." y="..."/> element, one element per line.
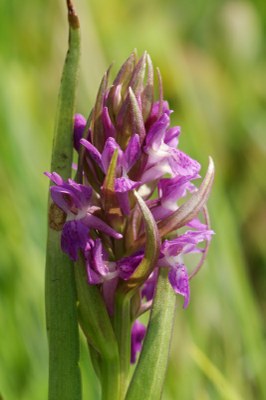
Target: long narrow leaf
<point x="60" y="292"/>
<point x="148" y="379"/>
<point x="96" y="325"/>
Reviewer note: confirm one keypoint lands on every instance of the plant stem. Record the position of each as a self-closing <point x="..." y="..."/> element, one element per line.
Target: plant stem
<point x="122" y="327"/>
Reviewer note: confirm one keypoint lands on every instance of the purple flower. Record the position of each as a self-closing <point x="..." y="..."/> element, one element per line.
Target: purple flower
<point x="171" y="256"/>
<point x="128" y="265"/>
<point x="149" y="287"/>
<point x="129" y="156"/>
<point x="137" y="335"/>
<point x="99" y="269"/>
<point x="178" y="277"/>
<point x="162" y="157"/>
<point x="170" y="191"/>
<point x="76" y="201"/>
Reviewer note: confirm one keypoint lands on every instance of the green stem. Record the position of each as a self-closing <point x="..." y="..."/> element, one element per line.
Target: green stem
<point x="122" y="327"/>
<point x="107" y="374"/>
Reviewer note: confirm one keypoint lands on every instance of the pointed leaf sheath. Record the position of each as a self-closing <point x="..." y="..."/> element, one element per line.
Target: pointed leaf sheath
<point x="149" y="375"/>
<point x="60" y="292"/>
<point x="152" y="247"/>
<point x="108" y="189"/>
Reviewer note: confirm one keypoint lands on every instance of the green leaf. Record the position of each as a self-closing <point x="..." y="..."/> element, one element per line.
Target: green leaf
<point x="110" y="201"/>
<point x="93" y="315"/>
<point x="60" y="291"/>
<point x="149" y="375"/>
<point x="63" y="136"/>
<point x="96" y="325"/>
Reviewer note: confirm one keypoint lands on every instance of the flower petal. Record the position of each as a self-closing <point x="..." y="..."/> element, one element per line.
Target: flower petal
<point x="93" y="152"/>
<point x="79" y="126"/>
<point x="128" y="265"/>
<point x="55" y="178"/>
<point x="96" y="223"/>
<point x="74" y="238"/>
<point x="178" y="278"/>
<point x="137" y="335"/>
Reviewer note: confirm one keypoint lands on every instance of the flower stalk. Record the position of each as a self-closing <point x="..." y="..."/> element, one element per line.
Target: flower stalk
<point x="122" y="327"/>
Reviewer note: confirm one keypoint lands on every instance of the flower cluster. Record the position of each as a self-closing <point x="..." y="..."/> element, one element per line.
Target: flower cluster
<point x="129" y="162"/>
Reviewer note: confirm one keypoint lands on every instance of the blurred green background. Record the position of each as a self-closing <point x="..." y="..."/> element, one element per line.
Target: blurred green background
<point x="212" y="57"/>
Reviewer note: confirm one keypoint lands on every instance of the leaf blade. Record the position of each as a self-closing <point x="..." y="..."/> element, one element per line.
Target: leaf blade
<point x="60" y="290"/>
<point x="148" y="379"/>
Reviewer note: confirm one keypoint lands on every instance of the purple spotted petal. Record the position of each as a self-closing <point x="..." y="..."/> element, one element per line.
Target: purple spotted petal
<point x="182" y="164"/>
<point x="71" y="197"/>
<point x="186" y="243"/>
<point x="74" y="238"/>
<point x="96" y="265"/>
<point x="79" y="126"/>
<point x="83" y="192"/>
<point x="127" y="265"/>
<point x="178" y="278"/>
<point x="137" y="335"/>
<point x="124" y="184"/>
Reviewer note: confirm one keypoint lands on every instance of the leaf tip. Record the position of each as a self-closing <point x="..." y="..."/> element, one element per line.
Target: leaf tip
<point x="72" y="15"/>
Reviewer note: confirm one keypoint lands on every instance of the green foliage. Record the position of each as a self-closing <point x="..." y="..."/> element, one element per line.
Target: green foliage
<point x="212" y="58"/>
<point x="149" y="375"/>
